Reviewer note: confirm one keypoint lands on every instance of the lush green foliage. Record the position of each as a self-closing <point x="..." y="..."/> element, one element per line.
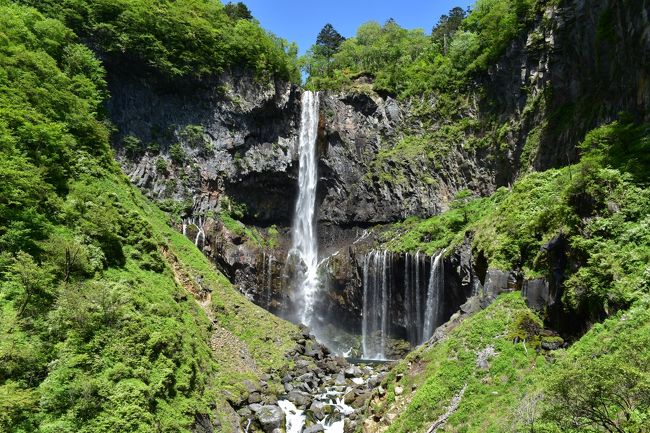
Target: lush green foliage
<point x="599" y="384"/>
<point x="603" y="381"/>
<point x="443" y="370"/>
<point x="99" y="330"/>
<point x="176" y="38"/>
<point x="599" y="206"/>
<point x="409" y="62"/>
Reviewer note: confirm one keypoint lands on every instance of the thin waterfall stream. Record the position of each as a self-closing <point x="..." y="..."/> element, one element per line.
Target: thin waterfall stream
<point x="434" y="295"/>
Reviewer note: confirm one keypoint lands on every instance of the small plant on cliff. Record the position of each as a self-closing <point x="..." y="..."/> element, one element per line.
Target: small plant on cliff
<point x="177" y="154"/>
<point x="161" y="166"/>
<point x="131" y="145"/>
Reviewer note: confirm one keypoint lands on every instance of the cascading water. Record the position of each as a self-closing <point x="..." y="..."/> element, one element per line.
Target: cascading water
<point x="377" y="279"/>
<point x="304" y="241"/>
<point x="413" y="311"/>
<point x="269" y="280"/>
<point x="423" y="298"/>
<point x="434" y="295"/>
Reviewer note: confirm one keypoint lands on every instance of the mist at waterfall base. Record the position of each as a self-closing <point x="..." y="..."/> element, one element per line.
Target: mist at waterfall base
<point x="420" y="300"/>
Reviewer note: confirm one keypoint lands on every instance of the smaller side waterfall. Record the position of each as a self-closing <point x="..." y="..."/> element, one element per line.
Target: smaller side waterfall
<point x="414" y="268"/>
<point x="269" y="279"/>
<point x="435" y="293"/>
<point x="376" y="303"/>
<point x="418" y="300"/>
<point x="403" y="297"/>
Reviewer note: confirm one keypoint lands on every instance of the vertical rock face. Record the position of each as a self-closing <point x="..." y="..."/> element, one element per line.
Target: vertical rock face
<point x="232" y="135"/>
<point x="581" y="65"/>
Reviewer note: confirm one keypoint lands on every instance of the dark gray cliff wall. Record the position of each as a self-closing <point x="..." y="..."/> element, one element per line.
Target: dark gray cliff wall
<point x="581" y="65"/>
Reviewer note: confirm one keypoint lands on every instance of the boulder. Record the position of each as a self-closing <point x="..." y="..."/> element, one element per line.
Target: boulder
<point x="270" y="418"/>
<point x="299" y="398"/>
<point x="316" y="428"/>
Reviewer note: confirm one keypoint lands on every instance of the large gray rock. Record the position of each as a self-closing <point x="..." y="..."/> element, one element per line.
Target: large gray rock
<point x="299" y="398"/>
<point x="270" y="418"/>
<point x="316" y="428"/>
<point x="536" y="293"/>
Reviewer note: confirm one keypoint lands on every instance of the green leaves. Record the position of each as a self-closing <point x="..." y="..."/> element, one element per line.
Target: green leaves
<point x="604" y="383"/>
<point x="188" y="38"/>
<point x="408" y="62"/>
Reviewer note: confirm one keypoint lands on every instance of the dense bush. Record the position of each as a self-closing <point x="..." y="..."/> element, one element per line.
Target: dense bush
<point x="176" y="38"/>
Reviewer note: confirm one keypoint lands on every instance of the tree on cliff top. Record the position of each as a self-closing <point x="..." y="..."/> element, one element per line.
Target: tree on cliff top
<point x="238" y="11"/>
<point x="329" y="41"/>
<point x="447" y="26"/>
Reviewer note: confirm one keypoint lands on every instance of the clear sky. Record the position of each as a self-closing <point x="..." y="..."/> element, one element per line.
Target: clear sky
<point x="301" y="20"/>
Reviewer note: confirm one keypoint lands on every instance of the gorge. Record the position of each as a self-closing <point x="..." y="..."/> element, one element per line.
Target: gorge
<point x="401" y="231"/>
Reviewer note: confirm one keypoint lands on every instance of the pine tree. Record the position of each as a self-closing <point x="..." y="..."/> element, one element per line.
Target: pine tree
<point x="238" y="11"/>
<point x="329" y="41"/>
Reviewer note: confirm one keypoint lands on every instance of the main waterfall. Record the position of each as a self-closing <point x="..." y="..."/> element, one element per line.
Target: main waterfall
<point x="304" y="240"/>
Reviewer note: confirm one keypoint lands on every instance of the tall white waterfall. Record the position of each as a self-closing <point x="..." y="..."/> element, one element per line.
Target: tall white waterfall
<point x="304" y="241"/>
<point x="435" y="291"/>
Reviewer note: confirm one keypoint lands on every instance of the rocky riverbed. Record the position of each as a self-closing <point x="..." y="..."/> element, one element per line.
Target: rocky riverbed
<point x="321" y="392"/>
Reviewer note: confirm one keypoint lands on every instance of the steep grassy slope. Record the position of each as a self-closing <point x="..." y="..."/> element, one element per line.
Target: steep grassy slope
<point x="109" y="319"/>
<point x="599" y="210"/>
<point x="503" y="381"/>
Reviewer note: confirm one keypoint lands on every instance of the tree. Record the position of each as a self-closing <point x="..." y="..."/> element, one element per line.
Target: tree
<point x="329" y="41"/>
<point x="69" y="257"/>
<point x="447" y="26"/>
<point x="609" y="390"/>
<point x="29" y="285"/>
<point x="238" y="11"/>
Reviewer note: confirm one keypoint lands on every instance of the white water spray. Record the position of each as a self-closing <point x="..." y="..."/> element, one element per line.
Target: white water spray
<point x="304" y="241"/>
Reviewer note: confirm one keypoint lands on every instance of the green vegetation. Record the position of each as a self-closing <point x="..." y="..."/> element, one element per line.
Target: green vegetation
<point x="600" y="206"/>
<point x="599" y="384"/>
<point x="410" y="62"/>
<point x="176" y="38"/>
<point x="100" y="328"/>
<point x="443" y="370"/>
<point x="447" y="229"/>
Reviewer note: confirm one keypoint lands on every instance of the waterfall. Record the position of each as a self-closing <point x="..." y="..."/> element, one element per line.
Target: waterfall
<point x="377" y="286"/>
<point x="418" y="301"/>
<point x="304" y="241"/>
<point x="269" y="281"/>
<point x="365" y="304"/>
<point x="434" y="295"/>
<point x="423" y="291"/>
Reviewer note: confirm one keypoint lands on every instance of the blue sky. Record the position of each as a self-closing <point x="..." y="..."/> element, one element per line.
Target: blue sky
<point x="300" y="21"/>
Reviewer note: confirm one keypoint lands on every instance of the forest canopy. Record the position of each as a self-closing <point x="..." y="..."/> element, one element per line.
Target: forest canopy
<point x="408" y="62"/>
<point x="193" y="38"/>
